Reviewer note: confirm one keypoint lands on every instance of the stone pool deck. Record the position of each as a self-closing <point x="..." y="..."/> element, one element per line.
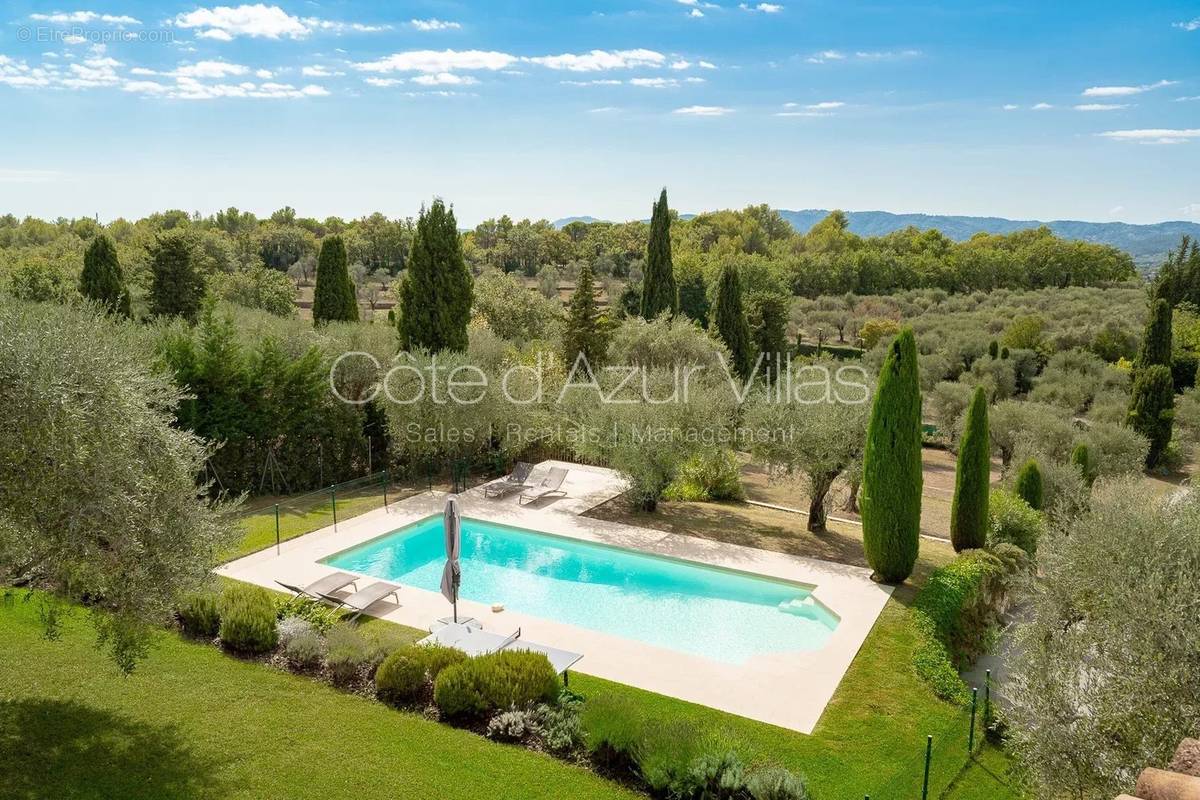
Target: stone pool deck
<point x="786" y="689"/>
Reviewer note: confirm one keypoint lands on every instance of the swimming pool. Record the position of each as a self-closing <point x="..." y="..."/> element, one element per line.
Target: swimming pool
<point x="720" y="614"/>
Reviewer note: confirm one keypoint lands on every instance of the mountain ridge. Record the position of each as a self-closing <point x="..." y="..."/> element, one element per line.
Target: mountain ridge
<point x="1148" y="244"/>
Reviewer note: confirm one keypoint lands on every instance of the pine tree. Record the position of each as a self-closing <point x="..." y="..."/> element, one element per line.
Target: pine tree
<point x="1156" y="344"/>
<point x="101" y="279"/>
<point x="729" y="322"/>
<point x="658" y="284"/>
<point x="892" y="479"/>
<point x="176" y="288"/>
<point x="435" y="297"/>
<point x="1152" y="409"/>
<point x="334" y="299"/>
<point x="583" y="333"/>
<point x="969" y="509"/>
<point x="1029" y="485"/>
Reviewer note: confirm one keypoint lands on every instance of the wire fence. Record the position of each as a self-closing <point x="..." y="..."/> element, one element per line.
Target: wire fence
<point x="931" y="768"/>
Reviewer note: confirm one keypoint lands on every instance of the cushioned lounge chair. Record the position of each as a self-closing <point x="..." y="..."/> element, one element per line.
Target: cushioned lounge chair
<point x="318" y="589"/>
<point x="510" y="483"/>
<point x="550" y="485"/>
<point x="363" y="599"/>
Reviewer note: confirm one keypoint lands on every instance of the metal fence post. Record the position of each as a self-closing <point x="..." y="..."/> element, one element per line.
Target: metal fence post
<point x="333" y="497"/>
<point x="971" y="733"/>
<point x="928" y="758"/>
<point x="987" y="697"/>
<point x="387" y="478"/>
<point x="277" y="529"/>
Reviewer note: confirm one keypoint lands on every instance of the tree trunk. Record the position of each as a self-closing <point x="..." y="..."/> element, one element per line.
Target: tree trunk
<point x="852" y="500"/>
<point x="819" y="488"/>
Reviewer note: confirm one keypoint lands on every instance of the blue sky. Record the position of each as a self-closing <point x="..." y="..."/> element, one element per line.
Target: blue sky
<point x="1018" y="109"/>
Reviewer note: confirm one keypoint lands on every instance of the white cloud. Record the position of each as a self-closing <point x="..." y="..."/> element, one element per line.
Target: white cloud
<point x="695" y="13"/>
<point x="703" y="111"/>
<point x="434" y="25"/>
<point x="1153" y="135"/>
<point x="74" y="38"/>
<point x="224" y="23"/>
<point x="210" y="69"/>
<point x="1124" y="91"/>
<point x="92" y="72"/>
<point x="84" y="18"/>
<point x="444" y="79"/>
<point x="654" y="83"/>
<point x="145" y="87"/>
<point x="1191" y="210"/>
<point x="886" y="55"/>
<point x="1010" y="107"/>
<point x="143" y="71"/>
<point x="1101" y="106"/>
<point x="694" y="80"/>
<point x="825" y="56"/>
<point x="1188" y="99"/>
<point x="601" y="82"/>
<point x="706" y="65"/>
<point x="603" y="110"/>
<point x="1042" y="107"/>
<point x="688" y="2"/>
<point x="318" y="71"/>
<point x="1190" y="25"/>
<point x="439" y="61"/>
<point x="825" y="106"/>
<point x="681" y="64"/>
<point x="1115" y="210"/>
<point x="597" y="60"/>
<point x="765" y="8"/>
<point x="264" y="74"/>
<point x="383" y="82"/>
<point x="804" y="113"/>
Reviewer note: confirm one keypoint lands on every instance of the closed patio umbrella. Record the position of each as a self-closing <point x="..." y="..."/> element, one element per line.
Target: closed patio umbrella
<point x="452" y="573"/>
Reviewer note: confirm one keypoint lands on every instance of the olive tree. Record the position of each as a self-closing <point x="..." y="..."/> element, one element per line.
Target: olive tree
<point x="814" y="434"/>
<point x="98" y="494"/>
<point x="1105" y="674"/>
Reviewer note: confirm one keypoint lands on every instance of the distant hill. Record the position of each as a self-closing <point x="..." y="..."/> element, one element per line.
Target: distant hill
<point x="1148" y="244"/>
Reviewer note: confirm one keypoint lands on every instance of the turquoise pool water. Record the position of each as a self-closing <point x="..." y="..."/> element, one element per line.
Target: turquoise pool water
<point x="719" y="614"/>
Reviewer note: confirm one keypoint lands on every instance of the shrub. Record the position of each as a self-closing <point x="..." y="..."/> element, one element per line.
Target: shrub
<point x="247" y="619"/>
<point x="776" y="783"/>
<point x="1081" y="459"/>
<point x="199" y="614"/>
<point x="456" y="694"/>
<point x="1029" y="485"/>
<point x="665" y="753"/>
<point x="952" y="614"/>
<point x="559" y="726"/>
<point x="1012" y="521"/>
<point x="612" y="728"/>
<point x="321" y="616"/>
<point x="510" y="726"/>
<point x="405" y="675"/>
<point x="708" y="475"/>
<point x="303" y="650"/>
<point x="507" y="679"/>
<point x="347" y="652"/>
<point x="712" y="776"/>
<point x="289" y="628"/>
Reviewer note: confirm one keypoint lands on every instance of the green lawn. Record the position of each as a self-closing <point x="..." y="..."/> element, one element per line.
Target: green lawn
<point x="195" y="723"/>
<point x="259" y="527"/>
<point x="985" y="779"/>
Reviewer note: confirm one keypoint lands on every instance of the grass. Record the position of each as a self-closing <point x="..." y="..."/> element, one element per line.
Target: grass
<point x="985" y="778"/>
<point x="193" y="722"/>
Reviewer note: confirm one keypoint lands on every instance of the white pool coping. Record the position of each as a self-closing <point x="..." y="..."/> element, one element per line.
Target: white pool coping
<point x="790" y="690"/>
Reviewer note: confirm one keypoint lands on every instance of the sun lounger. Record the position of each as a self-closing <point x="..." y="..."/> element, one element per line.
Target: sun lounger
<point x="550" y="485"/>
<point x="509" y="483"/>
<point x="318" y="589"/>
<point x="363" y="599"/>
<point x="477" y="642"/>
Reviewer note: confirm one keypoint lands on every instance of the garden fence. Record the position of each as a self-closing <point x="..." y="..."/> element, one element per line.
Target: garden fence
<point x="934" y="763"/>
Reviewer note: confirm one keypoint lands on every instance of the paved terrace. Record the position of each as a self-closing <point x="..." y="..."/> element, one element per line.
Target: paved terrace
<point x="786" y="689"/>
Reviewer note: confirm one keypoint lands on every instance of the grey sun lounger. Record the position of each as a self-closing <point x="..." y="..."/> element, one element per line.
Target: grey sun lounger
<point x="509" y="483"/>
<point x="318" y="589"/>
<point x="477" y="642"/>
<point x="550" y="485"/>
<point x="363" y="599"/>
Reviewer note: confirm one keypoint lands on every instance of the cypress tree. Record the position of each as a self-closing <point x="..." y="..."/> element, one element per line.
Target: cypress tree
<point x="334" y="299"/>
<point x="1029" y="485"/>
<point x="583" y="333"/>
<point x="1081" y="457"/>
<point x="435" y="297"/>
<point x="969" y="509"/>
<point x="1152" y="409"/>
<point x="693" y="298"/>
<point x="769" y="332"/>
<point x="658" y="284"/>
<point x="1156" y="344"/>
<point x="176" y="287"/>
<point x="892" y="479"/>
<point x="994" y="349"/>
<point x="729" y="322"/>
<point x="101" y="279"/>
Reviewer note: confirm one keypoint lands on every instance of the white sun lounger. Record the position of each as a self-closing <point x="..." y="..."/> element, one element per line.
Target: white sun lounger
<point x="477" y="642"/>
<point x="550" y="485"/>
<point x="363" y="599"/>
<point x="510" y="483"/>
<point x="318" y="589"/>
